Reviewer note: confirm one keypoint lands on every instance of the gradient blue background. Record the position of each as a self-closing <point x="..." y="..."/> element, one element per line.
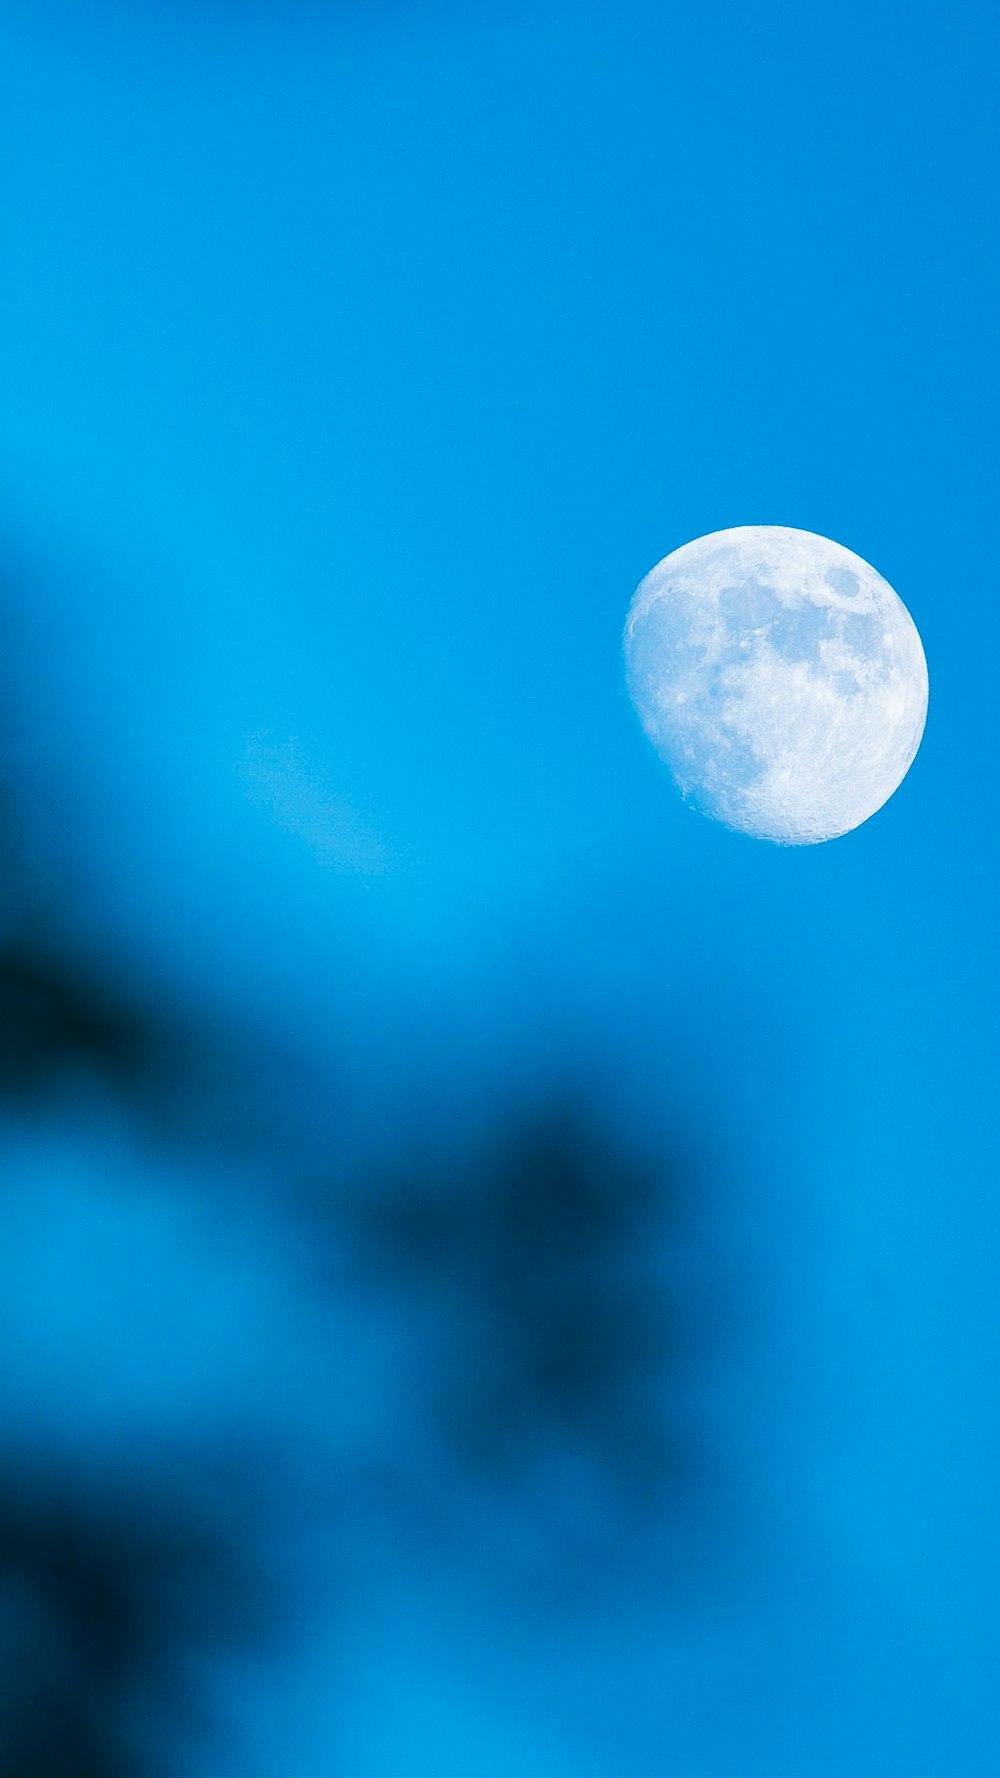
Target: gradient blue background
<point x="357" y="363"/>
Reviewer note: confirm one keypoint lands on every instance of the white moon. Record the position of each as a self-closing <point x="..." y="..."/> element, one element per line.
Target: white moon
<point x="780" y="677"/>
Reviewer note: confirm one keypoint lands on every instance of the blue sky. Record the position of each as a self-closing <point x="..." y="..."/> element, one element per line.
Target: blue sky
<point x="358" y="362"/>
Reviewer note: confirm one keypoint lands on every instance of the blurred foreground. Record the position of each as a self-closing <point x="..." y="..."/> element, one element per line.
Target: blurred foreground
<point x="261" y="1382"/>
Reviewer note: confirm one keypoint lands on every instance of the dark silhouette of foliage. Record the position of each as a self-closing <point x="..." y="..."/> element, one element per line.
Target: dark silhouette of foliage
<point x="109" y="1596"/>
<point x="56" y="1016"/>
<point x="549" y="1327"/>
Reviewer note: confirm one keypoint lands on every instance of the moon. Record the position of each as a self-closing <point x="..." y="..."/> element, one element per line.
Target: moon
<point x="781" y="679"/>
